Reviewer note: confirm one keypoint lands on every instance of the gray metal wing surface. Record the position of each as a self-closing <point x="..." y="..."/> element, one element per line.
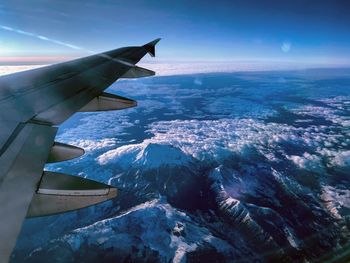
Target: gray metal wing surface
<point x="32" y="104"/>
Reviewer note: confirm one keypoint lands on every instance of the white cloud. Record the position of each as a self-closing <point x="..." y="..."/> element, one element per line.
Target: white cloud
<point x="324" y="112"/>
<point x="180" y="68"/>
<point x="217" y="139"/>
<point x="308" y="162"/>
<point x="92" y="145"/>
<point x="5" y="70"/>
<point x="97" y="126"/>
<point x="148" y="106"/>
<point x="342" y="159"/>
<point x="163" y="68"/>
<point x="210" y="140"/>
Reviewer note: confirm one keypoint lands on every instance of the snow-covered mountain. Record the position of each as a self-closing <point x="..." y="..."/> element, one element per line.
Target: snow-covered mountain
<point x="191" y="201"/>
<point x="153" y="232"/>
<point x="146" y="155"/>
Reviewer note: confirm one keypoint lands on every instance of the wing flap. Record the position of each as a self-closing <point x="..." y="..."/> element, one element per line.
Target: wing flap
<point x="108" y="101"/>
<point x="138" y="72"/>
<point x="63" y="152"/>
<point x="58" y="193"/>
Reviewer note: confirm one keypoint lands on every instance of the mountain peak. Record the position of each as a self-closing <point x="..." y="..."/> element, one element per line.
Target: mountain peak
<point x="147" y="154"/>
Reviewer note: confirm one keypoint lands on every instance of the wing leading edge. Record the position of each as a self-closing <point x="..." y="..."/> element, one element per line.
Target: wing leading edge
<point x="32" y="104"/>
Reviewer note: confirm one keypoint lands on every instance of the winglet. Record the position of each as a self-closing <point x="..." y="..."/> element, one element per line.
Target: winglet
<point x="150" y="47"/>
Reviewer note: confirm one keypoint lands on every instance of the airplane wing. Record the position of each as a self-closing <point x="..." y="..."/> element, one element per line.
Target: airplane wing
<point x="32" y="104"/>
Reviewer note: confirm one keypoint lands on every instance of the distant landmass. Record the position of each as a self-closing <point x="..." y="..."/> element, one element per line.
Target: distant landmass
<point x="215" y="167"/>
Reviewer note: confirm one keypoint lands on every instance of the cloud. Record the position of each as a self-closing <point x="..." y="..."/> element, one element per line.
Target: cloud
<point x="309" y="147"/>
<point x="4" y="70"/>
<point x="215" y="140"/>
<point x="169" y="68"/>
<point x="92" y="145"/>
<point x="342" y="159"/>
<point x="327" y="113"/>
<point x="308" y="162"/>
<point x="148" y="106"/>
<point x="96" y="127"/>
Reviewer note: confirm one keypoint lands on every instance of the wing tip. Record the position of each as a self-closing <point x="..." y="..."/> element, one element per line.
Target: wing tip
<point x="150" y="47"/>
<point x="154" y="42"/>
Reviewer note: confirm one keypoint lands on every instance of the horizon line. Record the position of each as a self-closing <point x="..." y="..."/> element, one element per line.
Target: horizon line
<point x="170" y="69"/>
<point x="45" y="60"/>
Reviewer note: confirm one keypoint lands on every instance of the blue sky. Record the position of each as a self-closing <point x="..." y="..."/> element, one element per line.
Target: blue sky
<point x="298" y="30"/>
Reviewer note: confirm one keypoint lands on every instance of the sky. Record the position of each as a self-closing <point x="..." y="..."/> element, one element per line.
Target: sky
<point x="302" y="31"/>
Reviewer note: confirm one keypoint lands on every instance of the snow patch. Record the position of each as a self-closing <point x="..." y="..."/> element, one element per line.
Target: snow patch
<point x="335" y="199"/>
